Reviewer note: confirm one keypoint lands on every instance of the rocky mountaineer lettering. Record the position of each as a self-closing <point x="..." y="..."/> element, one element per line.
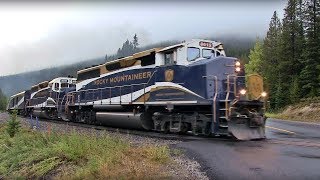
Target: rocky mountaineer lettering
<point x="124" y="78"/>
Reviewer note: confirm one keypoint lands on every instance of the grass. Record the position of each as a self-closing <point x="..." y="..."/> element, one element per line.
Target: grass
<point x="276" y="115"/>
<point x="306" y="110"/>
<point x="314" y="118"/>
<point x="33" y="155"/>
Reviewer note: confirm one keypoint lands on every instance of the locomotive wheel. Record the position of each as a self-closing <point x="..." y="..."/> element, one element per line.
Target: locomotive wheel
<point x="184" y="128"/>
<point x="166" y="128"/>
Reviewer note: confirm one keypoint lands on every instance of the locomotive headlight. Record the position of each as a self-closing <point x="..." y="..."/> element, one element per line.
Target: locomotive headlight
<point x="243" y="91"/>
<point x="238" y="69"/>
<point x="263" y="94"/>
<point x="238" y="63"/>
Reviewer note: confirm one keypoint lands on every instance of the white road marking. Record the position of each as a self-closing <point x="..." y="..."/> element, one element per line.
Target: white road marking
<point x="290" y="132"/>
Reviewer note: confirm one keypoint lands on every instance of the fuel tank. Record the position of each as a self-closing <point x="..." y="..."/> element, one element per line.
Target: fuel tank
<point x="128" y="120"/>
<point x="108" y="107"/>
<point x="40" y="114"/>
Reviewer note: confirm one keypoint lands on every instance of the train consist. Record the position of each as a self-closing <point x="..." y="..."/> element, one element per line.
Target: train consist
<point x="191" y="87"/>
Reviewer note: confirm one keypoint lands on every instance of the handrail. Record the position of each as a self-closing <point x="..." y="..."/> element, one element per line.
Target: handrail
<point x="227" y="98"/>
<point x="151" y="76"/>
<point x="114" y="87"/>
<point x="92" y="92"/>
<point x="235" y="77"/>
<point x="107" y="87"/>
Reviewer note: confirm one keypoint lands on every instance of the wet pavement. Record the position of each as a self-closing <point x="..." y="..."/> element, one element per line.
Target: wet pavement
<point x="291" y="151"/>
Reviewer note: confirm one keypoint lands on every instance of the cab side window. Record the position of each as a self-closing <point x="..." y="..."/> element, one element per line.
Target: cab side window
<point x="193" y="53"/>
<point x="56" y="86"/>
<point x="168" y="58"/>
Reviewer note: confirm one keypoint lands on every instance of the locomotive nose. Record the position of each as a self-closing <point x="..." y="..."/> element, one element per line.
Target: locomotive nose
<point x="217" y="71"/>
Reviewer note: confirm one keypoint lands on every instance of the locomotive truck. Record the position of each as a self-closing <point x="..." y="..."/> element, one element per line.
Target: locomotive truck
<point x="191" y="87"/>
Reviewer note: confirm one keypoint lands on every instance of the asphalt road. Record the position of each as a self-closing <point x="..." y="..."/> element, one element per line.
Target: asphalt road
<point x="291" y="151"/>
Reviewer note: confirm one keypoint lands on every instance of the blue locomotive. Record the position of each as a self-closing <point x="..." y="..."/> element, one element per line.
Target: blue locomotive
<point x="191" y="87"/>
<point x="43" y="99"/>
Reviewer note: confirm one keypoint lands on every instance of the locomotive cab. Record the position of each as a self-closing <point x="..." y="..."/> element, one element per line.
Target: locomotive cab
<point x="16" y="102"/>
<point x="48" y="95"/>
<point x="189" y="52"/>
<point x="60" y="84"/>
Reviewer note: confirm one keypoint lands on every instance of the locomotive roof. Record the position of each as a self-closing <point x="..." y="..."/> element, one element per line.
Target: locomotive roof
<point x="170" y="47"/>
<point x="55" y="79"/>
<point x="123" y="60"/>
<point x="90" y="68"/>
<point x="43" y="83"/>
<point x="145" y="53"/>
<point x="18" y="94"/>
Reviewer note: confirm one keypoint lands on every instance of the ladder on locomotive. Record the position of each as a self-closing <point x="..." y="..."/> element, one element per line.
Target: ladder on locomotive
<point x="220" y="116"/>
<point x="225" y="104"/>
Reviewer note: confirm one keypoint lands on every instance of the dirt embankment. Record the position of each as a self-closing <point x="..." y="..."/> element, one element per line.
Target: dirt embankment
<point x="307" y="110"/>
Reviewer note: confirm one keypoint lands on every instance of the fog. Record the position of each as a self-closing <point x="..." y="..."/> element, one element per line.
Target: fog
<point x="35" y="36"/>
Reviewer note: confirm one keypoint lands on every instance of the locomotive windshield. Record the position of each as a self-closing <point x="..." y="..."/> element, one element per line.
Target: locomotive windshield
<point x="64" y="85"/>
<point x="207" y="53"/>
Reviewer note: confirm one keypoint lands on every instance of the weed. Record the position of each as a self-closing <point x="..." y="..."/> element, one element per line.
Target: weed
<point x="176" y="152"/>
<point x="75" y="155"/>
<point x="13" y="124"/>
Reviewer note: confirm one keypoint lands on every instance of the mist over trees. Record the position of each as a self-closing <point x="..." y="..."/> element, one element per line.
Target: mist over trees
<point x="12" y="84"/>
<point x="290" y="54"/>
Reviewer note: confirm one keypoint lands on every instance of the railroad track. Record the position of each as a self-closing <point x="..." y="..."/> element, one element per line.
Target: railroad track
<point x="151" y="134"/>
<point x="170" y="136"/>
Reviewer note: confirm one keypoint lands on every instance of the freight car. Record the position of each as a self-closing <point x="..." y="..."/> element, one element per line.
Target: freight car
<point x="191" y="87"/>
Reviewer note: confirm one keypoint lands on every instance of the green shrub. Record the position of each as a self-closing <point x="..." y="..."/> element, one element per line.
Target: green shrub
<point x="13" y="125"/>
<point x="3" y="101"/>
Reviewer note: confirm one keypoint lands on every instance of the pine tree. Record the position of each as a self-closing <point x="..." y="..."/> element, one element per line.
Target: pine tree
<point x="280" y="96"/>
<point x="135" y="42"/>
<point x="309" y="76"/>
<point x="291" y="40"/>
<point x="295" y="90"/>
<point x="13" y="124"/>
<point x="291" y="47"/>
<point x="271" y="58"/>
<point x="255" y="56"/>
<point x="3" y="101"/>
<point x="119" y="53"/>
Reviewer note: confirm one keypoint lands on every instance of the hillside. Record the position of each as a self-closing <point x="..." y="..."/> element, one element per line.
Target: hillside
<point x="306" y="110"/>
<point x="12" y="84"/>
<point x="15" y="83"/>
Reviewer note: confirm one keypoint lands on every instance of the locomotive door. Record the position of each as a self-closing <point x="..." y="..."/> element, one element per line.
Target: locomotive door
<point x="210" y="87"/>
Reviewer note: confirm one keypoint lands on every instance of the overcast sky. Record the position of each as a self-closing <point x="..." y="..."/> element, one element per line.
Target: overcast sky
<point x="35" y="36"/>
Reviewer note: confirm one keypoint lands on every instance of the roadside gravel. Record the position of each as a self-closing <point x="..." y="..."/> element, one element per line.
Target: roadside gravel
<point x="183" y="168"/>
